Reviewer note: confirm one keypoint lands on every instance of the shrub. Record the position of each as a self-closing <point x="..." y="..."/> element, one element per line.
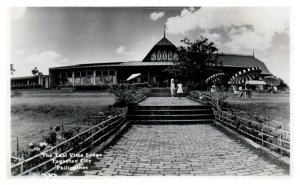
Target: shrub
<point x="126" y="93"/>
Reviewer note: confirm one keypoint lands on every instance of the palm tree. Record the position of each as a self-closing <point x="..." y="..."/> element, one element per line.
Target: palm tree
<point x="12" y="69"/>
<point x="35" y="71"/>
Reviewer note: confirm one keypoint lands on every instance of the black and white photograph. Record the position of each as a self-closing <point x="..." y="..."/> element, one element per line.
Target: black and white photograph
<point x="149" y="91"/>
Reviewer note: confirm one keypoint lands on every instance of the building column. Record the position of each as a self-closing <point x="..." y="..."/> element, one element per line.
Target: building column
<point x="94" y="75"/>
<point x="39" y="79"/>
<point x="73" y="78"/>
<point x="148" y="77"/>
<point x="116" y="74"/>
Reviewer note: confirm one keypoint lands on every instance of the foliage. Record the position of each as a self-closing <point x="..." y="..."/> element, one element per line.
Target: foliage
<point x="12" y="69"/>
<point x="197" y="61"/>
<point x="220" y="97"/>
<point x="125" y="93"/>
<point x="283" y="86"/>
<point x="36" y="72"/>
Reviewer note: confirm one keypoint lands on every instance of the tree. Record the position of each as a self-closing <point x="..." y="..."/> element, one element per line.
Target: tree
<point x="283" y="86"/>
<point x="196" y="61"/>
<point x="12" y="69"/>
<point x="36" y="72"/>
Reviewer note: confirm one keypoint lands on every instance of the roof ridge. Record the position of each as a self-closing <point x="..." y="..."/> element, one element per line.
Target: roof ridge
<point x="233" y="54"/>
<point x="167" y="40"/>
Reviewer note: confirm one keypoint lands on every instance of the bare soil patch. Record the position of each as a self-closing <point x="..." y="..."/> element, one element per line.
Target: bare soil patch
<point x="32" y="113"/>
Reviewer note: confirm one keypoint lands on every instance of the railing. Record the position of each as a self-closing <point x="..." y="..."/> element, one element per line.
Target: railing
<point x="205" y="97"/>
<point x="46" y="161"/>
<point x="266" y="135"/>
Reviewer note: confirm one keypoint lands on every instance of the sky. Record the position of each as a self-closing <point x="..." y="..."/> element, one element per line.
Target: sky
<point x="60" y="36"/>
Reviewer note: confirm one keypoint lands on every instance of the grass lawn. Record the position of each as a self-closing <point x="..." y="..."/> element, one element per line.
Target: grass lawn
<point x="273" y="106"/>
<point x="33" y="112"/>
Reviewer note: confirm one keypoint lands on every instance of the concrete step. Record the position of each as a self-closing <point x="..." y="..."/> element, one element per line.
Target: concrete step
<point x="170" y="117"/>
<point x="177" y="107"/>
<point x="194" y="121"/>
<point x="160" y="94"/>
<point x="170" y="112"/>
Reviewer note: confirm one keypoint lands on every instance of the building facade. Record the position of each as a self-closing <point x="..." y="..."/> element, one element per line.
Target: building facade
<point x="27" y="82"/>
<point x="151" y="68"/>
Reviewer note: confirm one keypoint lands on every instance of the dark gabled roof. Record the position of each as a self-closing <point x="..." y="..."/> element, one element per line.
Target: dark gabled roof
<point x="228" y="60"/>
<point x="148" y="63"/>
<point x="24" y="78"/>
<point x="104" y="63"/>
<point x="244" y="61"/>
<point x="163" y="44"/>
<point x="80" y="66"/>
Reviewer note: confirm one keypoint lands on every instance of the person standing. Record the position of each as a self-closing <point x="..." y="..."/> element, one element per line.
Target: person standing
<point x="172" y="87"/>
<point x="179" y="89"/>
<point x="213" y="88"/>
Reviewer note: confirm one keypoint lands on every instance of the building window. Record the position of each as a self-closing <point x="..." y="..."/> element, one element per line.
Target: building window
<point x="90" y="78"/>
<point x="98" y="73"/>
<point x="90" y="73"/>
<point x="153" y="56"/>
<point x="170" y="55"/>
<point x="106" y="79"/>
<point x="112" y="73"/>
<point x="165" y="55"/>
<point x="77" y="78"/>
<point x="63" y="75"/>
<point x="105" y="73"/>
<point x="159" y="55"/>
<point x="77" y="74"/>
<point x="83" y="74"/>
<point x="175" y="57"/>
<point x="69" y="74"/>
<point x="70" y="81"/>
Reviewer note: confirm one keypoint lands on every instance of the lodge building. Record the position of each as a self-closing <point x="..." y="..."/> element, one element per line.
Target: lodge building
<point x="151" y="69"/>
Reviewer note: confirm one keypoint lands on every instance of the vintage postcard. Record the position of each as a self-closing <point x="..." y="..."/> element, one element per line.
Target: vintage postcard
<point x="149" y="91"/>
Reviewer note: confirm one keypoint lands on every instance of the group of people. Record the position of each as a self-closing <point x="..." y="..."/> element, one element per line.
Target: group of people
<point x="246" y="92"/>
<point x="176" y="90"/>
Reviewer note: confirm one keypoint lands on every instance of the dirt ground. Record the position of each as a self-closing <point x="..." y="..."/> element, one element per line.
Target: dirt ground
<point x="32" y="113"/>
<point x="273" y="106"/>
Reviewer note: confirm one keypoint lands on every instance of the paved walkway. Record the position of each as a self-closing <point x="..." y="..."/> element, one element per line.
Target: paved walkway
<point x="163" y="101"/>
<point x="180" y="150"/>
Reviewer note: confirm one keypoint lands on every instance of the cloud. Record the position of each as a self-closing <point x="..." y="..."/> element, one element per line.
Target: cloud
<point x="214" y="37"/>
<point x="42" y="60"/>
<point x="17" y="12"/>
<point x="121" y="50"/>
<point x="246" y="27"/>
<point x="20" y="52"/>
<point x="156" y="15"/>
<point x="153" y="39"/>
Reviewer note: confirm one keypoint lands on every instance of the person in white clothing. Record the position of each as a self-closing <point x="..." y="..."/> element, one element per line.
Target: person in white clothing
<point x="179" y="89"/>
<point x="172" y="86"/>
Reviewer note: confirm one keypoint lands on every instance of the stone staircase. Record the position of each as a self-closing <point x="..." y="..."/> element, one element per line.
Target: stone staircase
<point x="183" y="114"/>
